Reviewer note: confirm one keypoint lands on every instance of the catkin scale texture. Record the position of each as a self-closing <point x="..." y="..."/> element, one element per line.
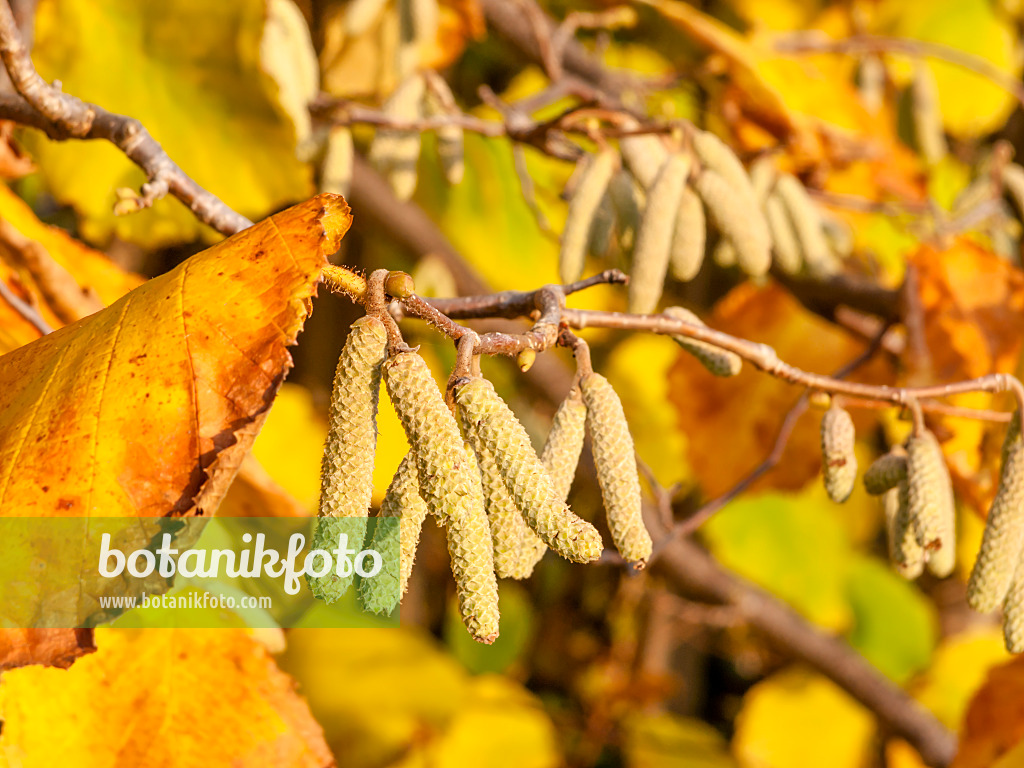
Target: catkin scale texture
<point x="617" y="475"/>
<point x="719" y="362"/>
<point x="689" y="238"/>
<point x="496" y="427"/>
<point x="839" y="462"/>
<point x="886" y="472"/>
<point x="508" y="529"/>
<point x="930" y="498"/>
<point x="1013" y="612"/>
<point x="582" y="209"/>
<point x="904" y="551"/>
<point x="1003" y="540"/>
<point x="403" y="501"/>
<point x="449" y="483"/>
<point x="654" y="239"/>
<point x="346" y="473"/>
<point x="728" y="212"/>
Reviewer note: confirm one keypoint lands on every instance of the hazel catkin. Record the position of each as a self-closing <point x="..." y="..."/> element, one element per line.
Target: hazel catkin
<point x="735" y="221"/>
<point x="886" y="472"/>
<point x="654" y="238"/>
<point x="930" y="498"/>
<point x="1003" y="540"/>
<point x="716" y="360"/>
<point x="403" y="501"/>
<point x="689" y="238"/>
<point x="615" y="460"/>
<point x="904" y="552"/>
<point x="583" y="207"/>
<point x="450" y="486"/>
<point x="839" y="462"/>
<point x="496" y="427"/>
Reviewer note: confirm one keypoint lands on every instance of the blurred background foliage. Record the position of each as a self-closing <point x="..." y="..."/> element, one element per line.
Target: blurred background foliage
<point x="594" y="666"/>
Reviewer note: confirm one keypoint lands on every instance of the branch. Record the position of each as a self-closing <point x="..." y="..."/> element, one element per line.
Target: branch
<point x="62" y="116"/>
<point x="691" y="570"/>
<point x="24" y="309"/>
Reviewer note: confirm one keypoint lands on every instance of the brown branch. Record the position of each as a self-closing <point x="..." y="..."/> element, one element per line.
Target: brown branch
<point x="693" y="572"/>
<point x="62" y="116"/>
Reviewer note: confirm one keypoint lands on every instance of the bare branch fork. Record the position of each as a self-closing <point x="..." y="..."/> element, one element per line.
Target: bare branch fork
<point x="62" y="116"/>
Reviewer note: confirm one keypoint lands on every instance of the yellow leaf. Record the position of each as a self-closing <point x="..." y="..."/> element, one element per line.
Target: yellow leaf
<point x="799" y="719"/>
<point x="160" y="698"/>
<point x="190" y="71"/>
<point x="972" y="105"/>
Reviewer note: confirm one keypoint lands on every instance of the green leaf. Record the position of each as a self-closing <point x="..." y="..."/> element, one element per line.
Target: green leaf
<point x="894" y="625"/>
<point x="664" y="740"/>
<point x="789" y="545"/>
<point x="190" y="71"/>
<point x="516" y="631"/>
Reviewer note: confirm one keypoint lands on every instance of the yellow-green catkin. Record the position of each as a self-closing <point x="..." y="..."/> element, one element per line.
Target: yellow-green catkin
<point x="560" y="457"/>
<point x="336" y="170"/>
<point x="807" y="225"/>
<point x="1013" y="612"/>
<point x="644" y="155"/>
<point x="1013" y="183"/>
<point x="508" y="529"/>
<point x="930" y="499"/>
<point x="449" y="483"/>
<point x="602" y="228"/>
<point x="496" y="427"/>
<point x="785" y="245"/>
<point x="615" y="460"/>
<point x="395" y="152"/>
<point x="904" y="552"/>
<point x="838" y="460"/>
<point x="927" y="114"/>
<point x="735" y="222"/>
<point x="403" y="501"/>
<point x="346" y="472"/>
<point x="627" y="204"/>
<point x="360" y="14"/>
<point x="718" y="361"/>
<point x="1003" y="539"/>
<point x="689" y="238"/>
<point x="582" y="209"/>
<point x="654" y="239"/>
<point x="715" y="155"/>
<point x="440" y="102"/>
<point x="886" y="472"/>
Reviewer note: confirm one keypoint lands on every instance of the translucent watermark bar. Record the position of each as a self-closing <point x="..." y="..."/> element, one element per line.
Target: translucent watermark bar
<point x="194" y="572"/>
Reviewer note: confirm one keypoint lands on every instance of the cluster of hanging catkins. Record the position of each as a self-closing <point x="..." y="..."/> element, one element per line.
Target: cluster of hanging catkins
<point x="660" y="201"/>
<point x="476" y="472"/>
<point x="920" y="514"/>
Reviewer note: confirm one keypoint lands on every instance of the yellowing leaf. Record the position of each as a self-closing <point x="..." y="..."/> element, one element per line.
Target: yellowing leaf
<point x="788" y="546"/>
<point x="147" y="407"/>
<point x="994" y="723"/>
<point x="799" y="719"/>
<point x="971" y="104"/>
<point x="160" y="698"/>
<point x="664" y="740"/>
<point x="416" y="705"/>
<point x="190" y="71"/>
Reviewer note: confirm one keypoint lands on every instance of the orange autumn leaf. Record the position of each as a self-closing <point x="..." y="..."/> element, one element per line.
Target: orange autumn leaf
<point x="973" y="311"/>
<point x="731" y="424"/>
<point x="994" y="723"/>
<point x="148" y="407"/>
<point x="145" y="698"/>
